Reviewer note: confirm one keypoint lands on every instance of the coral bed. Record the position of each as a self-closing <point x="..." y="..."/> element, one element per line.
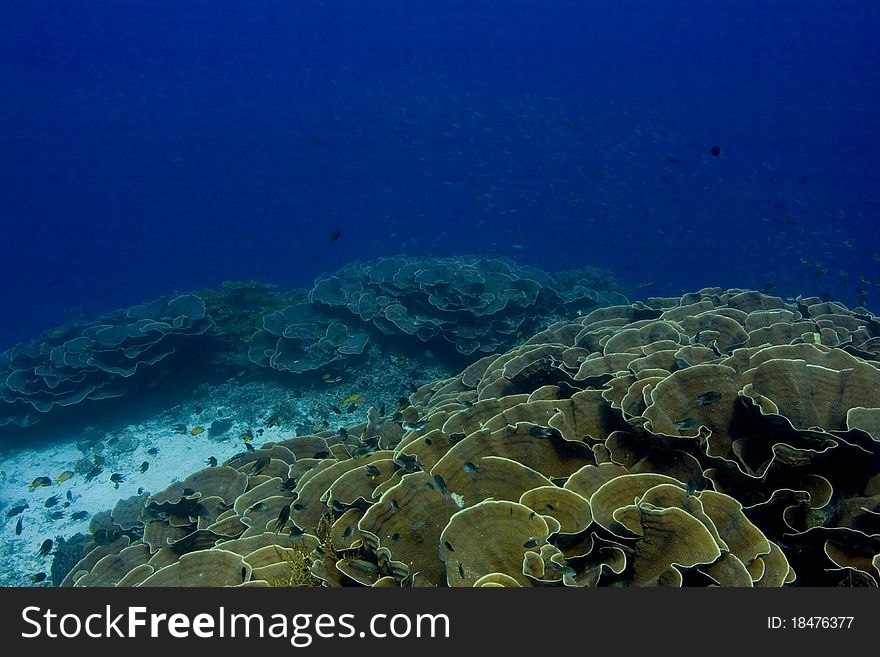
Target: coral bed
<point x="721" y="438"/>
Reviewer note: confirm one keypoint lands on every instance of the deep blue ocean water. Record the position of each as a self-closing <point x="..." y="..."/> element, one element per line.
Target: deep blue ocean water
<point x="148" y="147"/>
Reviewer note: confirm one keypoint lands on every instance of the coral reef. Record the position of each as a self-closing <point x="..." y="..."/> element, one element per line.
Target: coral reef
<point x="475" y="305"/>
<point x="94" y="360"/>
<point x="721" y="438"/>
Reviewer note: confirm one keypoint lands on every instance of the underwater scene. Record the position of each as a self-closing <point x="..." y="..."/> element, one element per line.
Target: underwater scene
<point x="457" y="294"/>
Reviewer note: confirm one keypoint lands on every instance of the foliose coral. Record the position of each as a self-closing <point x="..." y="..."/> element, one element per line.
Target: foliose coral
<point x="88" y="361"/>
<point x="721" y="438"/>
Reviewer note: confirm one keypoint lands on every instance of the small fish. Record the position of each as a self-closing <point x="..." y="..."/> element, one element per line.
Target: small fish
<point x="470" y="467"/>
<point x="382" y="410"/>
<point x="532" y="543"/>
<point x="351" y="408"/>
<point x="283" y="517"/>
<point x="197" y="410"/>
<point x="14" y="511"/>
<point x="715" y="151"/>
<point x="362" y="452"/>
<point x="69" y="495"/>
<point x="259" y="465"/>
<point x="403" y="402"/>
<point x="19" y="526"/>
<point x="140" y="490"/>
<point x="289" y="484"/>
<point x="97" y="459"/>
<point x="117" y="479"/>
<point x="354" y="398"/>
<point x="57" y="515"/>
<point x="418" y="426"/>
<point x="335" y="234"/>
<point x="709" y="398"/>
<point x="249" y="447"/>
<point x="79" y="515"/>
<point x="372" y="472"/>
<point x="45" y="548"/>
<point x="343" y="433"/>
<point x="212" y="461"/>
<point x="195" y="431"/>
<point x="336" y="409"/>
<point x="247" y="436"/>
<point x="461" y="570"/>
<point x="441" y="485"/>
<point x="565" y="570"/>
<point x="153" y="451"/>
<point x="52" y="501"/>
<point x="541" y="432"/>
<point x="144" y="466"/>
<point x="361" y="564"/>
<point x="272" y="421"/>
<point x="40" y="481"/>
<point x="685" y="425"/>
<point x="94" y="472"/>
<point x="671" y="158"/>
<point x="37" y="578"/>
<point x="64" y="476"/>
<point x="180" y="429"/>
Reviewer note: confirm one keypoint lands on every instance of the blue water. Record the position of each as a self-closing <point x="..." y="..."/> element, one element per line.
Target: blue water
<point x="148" y="147"/>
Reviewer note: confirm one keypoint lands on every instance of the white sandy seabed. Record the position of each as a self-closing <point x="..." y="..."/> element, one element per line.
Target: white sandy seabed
<point x="248" y="405"/>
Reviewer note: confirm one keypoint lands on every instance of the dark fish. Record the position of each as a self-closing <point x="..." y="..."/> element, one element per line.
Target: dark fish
<point x="685" y="425"/>
<point x="52" y="501"/>
<point x="321" y="454"/>
<point x="715" y="150"/>
<point x="336" y="409"/>
<point x="140" y="490"/>
<point x="565" y="570"/>
<point x="40" y="481"/>
<point x="283" y="517"/>
<point x="19" y="526"/>
<point x="531" y="543"/>
<point x="45" y="548"/>
<point x="79" y="515"/>
<point x="249" y="447"/>
<point x="351" y="408"/>
<point x="289" y="484"/>
<point x="361" y="564"/>
<point x="373" y="471"/>
<point x="98" y="459"/>
<point x="470" y="467"/>
<point x="671" y="158"/>
<point x="709" y="398"/>
<point x="201" y="539"/>
<point x="197" y="410"/>
<point x="295" y="532"/>
<point x="58" y="515"/>
<point x="117" y="479"/>
<point x="212" y="461"/>
<point x="343" y="433"/>
<point x="461" y="570"/>
<point x="69" y="495"/>
<point x="403" y="402"/>
<point x="144" y="466"/>
<point x="36" y="579"/>
<point x="14" y="511"/>
<point x="272" y="421"/>
<point x="335" y="234"/>
<point x="259" y="465"/>
<point x="153" y="451"/>
<point x="456" y="437"/>
<point x="541" y="432"/>
<point x="441" y="485"/>
<point x="382" y="410"/>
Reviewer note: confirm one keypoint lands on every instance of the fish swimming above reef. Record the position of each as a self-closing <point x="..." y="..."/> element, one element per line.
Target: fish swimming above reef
<point x="335" y="234"/>
<point x="52" y="501"/>
<point x="64" y="476"/>
<point x="117" y="479"/>
<point x="40" y="481"/>
<point x="19" y="526"/>
<point x="45" y="548"/>
<point x="14" y="511"/>
<point x="144" y="466"/>
<point x="709" y="398"/>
